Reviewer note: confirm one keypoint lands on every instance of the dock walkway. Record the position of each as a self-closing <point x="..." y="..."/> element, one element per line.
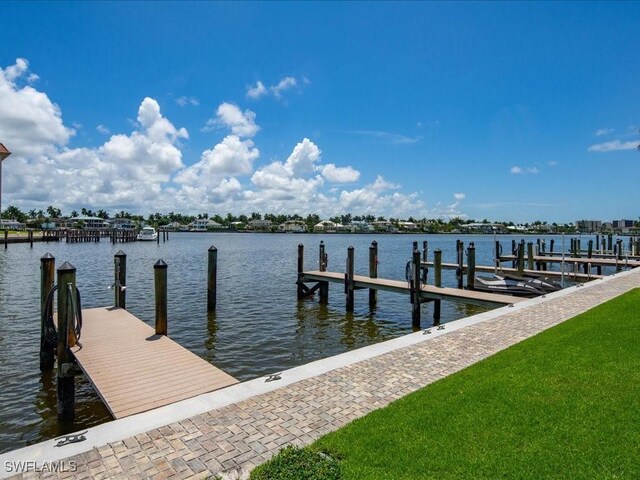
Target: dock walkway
<point x="427" y="292"/>
<point x="243" y="431"/>
<point x="134" y="370"/>
<point x="580" y="277"/>
<point x="595" y="262"/>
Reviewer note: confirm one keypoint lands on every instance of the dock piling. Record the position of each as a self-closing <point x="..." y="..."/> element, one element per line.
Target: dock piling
<point x="471" y="266"/>
<point x="460" y="270"/>
<point x="437" y="278"/>
<point x="212" y="278"/>
<point x="415" y="287"/>
<point x="299" y="283"/>
<point x="322" y="266"/>
<point x="120" y="279"/>
<point x="530" y="255"/>
<point x="349" y="284"/>
<point x="160" y="282"/>
<point x="47" y="280"/>
<point x="520" y="258"/>
<point x="425" y="259"/>
<point x="373" y="272"/>
<point x="66" y="382"/>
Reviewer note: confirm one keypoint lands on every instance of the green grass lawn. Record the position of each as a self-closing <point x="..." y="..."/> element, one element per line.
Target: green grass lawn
<point x="563" y="404"/>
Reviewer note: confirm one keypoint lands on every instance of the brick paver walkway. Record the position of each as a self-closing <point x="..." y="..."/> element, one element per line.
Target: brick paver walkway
<point x="247" y="433"/>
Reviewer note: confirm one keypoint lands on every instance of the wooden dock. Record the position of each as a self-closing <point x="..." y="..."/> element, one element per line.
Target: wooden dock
<point x="427" y="292"/>
<point x="134" y="370"/>
<point x="580" y="277"/>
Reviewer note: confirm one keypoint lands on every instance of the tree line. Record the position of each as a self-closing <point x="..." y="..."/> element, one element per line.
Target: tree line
<point x="156" y="219"/>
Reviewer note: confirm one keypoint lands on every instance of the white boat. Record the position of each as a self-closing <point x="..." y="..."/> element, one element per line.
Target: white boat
<point x="148" y="234"/>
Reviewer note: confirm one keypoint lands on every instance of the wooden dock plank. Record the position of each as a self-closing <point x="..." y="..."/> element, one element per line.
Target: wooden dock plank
<point x="134" y="370"/>
<point x="428" y="292"/>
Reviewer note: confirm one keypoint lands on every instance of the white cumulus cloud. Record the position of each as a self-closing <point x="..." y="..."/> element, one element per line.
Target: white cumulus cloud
<point x="459" y="196"/>
<point x="242" y="124"/>
<point x="335" y="174"/>
<point x="257" y="91"/>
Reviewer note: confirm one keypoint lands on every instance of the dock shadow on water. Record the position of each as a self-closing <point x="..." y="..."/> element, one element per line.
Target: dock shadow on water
<point x="258" y="328"/>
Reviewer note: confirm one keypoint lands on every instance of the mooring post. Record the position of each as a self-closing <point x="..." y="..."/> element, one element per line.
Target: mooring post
<point x="520" y="257"/>
<point x="299" y="283"/>
<point x="349" y="282"/>
<point x="158" y="239"/>
<point x="160" y="281"/>
<point x="415" y="287"/>
<point x="544" y="253"/>
<point x="373" y="272"/>
<point x="212" y="276"/>
<point x="425" y="259"/>
<point x="551" y="246"/>
<point x="514" y="253"/>
<point x="460" y="269"/>
<point x="437" y="280"/>
<point x="589" y="255"/>
<point x="120" y="279"/>
<point x="31" y="238"/>
<point x="610" y="242"/>
<point x="530" y="255"/>
<point x="66" y="382"/>
<point x="6" y="238"/>
<point x="47" y="279"/>
<point x="496" y="258"/>
<point x="471" y="266"/>
<point x="322" y="266"/>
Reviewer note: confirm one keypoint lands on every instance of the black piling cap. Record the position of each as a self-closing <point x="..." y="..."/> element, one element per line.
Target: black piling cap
<point x="160" y="264"/>
<point x="374" y="243"/>
<point x="213" y="249"/>
<point x="120" y="253"/>
<point x="66" y="267"/>
<point x="47" y="257"/>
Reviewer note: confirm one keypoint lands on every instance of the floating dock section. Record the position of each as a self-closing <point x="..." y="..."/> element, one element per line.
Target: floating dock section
<point x="134" y="370"/>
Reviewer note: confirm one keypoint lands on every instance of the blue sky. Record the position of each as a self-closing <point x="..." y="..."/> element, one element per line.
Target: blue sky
<point x="515" y="111"/>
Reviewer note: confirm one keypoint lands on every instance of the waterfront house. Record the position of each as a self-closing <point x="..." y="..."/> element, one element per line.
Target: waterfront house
<point x="292" y="226"/>
<point x="122" y="223"/>
<point x="359" y="226"/>
<point x="204" y="224"/>
<point x="408" y="226"/>
<point x="12" y="224"/>
<point x="90" y="223"/>
<point x="382" y="226"/>
<point x="259" y="225"/>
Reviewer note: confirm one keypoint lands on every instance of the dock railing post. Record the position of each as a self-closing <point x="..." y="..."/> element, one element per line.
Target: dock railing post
<point x="437" y="279"/>
<point x="471" y="266"/>
<point x="47" y="280"/>
<point x="349" y="282"/>
<point x="373" y="272"/>
<point x="322" y="266"/>
<point x="299" y="283"/>
<point x="212" y="278"/>
<point x="160" y="282"/>
<point x="66" y="383"/>
<point x="416" y="287"/>
<point x="120" y="279"/>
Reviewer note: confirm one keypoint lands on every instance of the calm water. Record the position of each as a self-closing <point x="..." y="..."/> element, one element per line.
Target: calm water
<point x="259" y="326"/>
